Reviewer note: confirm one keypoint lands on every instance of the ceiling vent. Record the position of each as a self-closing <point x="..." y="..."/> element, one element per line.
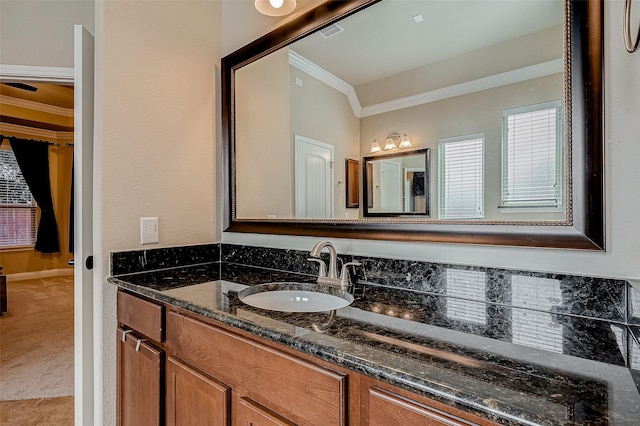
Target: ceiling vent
<point x="331" y="30"/>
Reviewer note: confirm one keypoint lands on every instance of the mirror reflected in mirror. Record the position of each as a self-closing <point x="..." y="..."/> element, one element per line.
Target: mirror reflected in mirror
<point x="397" y="184"/>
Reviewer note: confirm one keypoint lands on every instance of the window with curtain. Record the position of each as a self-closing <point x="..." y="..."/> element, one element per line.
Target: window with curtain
<point x="461" y="177"/>
<point x="532" y="156"/>
<point x="17" y="206"/>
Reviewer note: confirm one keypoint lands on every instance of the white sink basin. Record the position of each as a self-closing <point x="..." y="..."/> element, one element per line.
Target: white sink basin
<point x="295" y="297"/>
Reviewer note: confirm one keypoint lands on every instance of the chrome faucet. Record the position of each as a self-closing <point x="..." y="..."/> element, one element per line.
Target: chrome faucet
<point x="331" y="277"/>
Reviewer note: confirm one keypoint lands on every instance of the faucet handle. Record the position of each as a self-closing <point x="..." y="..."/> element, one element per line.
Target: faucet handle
<point x="344" y="275"/>
<point x="323" y="266"/>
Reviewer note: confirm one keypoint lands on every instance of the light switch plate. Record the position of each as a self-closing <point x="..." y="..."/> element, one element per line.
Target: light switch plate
<point x="148" y="230"/>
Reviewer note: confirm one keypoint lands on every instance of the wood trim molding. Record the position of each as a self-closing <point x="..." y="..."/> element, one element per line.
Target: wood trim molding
<point x="51" y="135"/>
<point x="21" y="276"/>
<point x="36" y="106"/>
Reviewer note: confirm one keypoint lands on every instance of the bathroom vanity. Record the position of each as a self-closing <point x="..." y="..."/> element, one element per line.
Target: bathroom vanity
<point x="219" y="375"/>
<point x="202" y="356"/>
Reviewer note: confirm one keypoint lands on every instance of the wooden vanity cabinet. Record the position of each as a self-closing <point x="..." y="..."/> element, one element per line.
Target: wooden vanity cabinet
<point x="194" y="398"/>
<point x="250" y="413"/>
<point x="140" y="362"/>
<point x="267" y="383"/>
<point x="201" y="372"/>
<point x="139" y="381"/>
<point x="385" y="405"/>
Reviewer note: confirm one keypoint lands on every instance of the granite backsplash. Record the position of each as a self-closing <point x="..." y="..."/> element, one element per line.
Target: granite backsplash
<point x="593" y="318"/>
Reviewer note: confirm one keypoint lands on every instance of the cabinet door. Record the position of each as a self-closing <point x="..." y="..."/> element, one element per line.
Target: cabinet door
<point x="193" y="398"/>
<point x="387" y="408"/>
<point x="297" y="389"/>
<point x="250" y="413"/>
<point x="139" y="367"/>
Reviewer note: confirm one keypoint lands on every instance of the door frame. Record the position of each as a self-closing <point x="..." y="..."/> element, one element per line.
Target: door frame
<point x="406" y="187"/>
<point x="59" y="75"/>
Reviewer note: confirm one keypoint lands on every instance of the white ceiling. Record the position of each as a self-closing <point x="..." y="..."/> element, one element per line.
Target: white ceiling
<point x="384" y="39"/>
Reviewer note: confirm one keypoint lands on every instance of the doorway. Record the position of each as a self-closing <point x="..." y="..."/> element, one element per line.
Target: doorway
<point x="37" y="336"/>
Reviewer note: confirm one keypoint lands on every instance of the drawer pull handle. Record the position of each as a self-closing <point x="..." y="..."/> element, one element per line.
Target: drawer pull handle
<point x="124" y="335"/>
<point x="138" y="343"/>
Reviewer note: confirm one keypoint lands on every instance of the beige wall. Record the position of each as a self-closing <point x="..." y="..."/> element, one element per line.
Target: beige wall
<point x="156" y="64"/>
<point x="270" y="110"/>
<point x="40" y="32"/>
<point x="322" y="113"/>
<point x="264" y="145"/>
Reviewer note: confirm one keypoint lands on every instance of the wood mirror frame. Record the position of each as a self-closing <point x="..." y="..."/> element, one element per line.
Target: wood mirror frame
<point x="585" y="92"/>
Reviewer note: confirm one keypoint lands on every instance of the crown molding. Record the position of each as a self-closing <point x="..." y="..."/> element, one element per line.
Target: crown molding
<point x="33" y="73"/>
<point x="32" y="132"/>
<point x="327" y="78"/>
<point x="36" y="106"/>
<point x="485" y="83"/>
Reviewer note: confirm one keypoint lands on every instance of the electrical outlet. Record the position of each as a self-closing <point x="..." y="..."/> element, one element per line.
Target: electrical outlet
<point x="148" y="230"/>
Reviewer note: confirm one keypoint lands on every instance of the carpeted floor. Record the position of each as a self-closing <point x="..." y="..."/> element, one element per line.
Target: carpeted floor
<point x="36" y="341"/>
<point x="37" y="412"/>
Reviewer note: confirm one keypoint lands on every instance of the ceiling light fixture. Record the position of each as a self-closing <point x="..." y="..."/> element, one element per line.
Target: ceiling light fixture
<point x="275" y="7"/>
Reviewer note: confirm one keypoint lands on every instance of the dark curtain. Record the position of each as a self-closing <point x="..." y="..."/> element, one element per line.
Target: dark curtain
<point x="33" y="159"/>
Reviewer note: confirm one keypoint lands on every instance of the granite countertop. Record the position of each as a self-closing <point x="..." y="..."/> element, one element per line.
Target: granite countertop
<point x="388" y="334"/>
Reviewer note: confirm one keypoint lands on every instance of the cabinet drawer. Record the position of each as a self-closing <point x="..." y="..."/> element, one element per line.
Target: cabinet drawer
<point x="295" y="389"/>
<point x="387" y="408"/>
<point x="141" y="315"/>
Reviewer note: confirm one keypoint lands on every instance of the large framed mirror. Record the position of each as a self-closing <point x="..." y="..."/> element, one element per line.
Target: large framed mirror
<point x="505" y="96"/>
